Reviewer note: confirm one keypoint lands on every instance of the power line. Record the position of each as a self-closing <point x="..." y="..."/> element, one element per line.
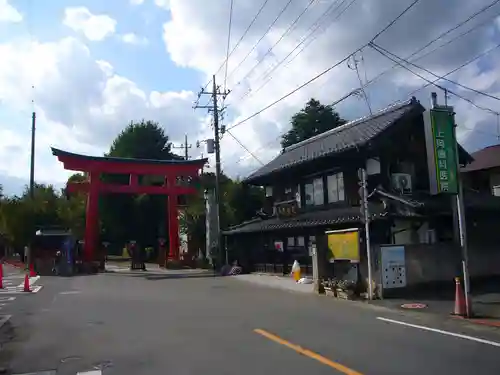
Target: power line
<point x="252" y="154"/>
<point x="468" y="62"/>
<point x="239" y="41"/>
<point x="326" y="70"/>
<point x="262" y="37"/>
<point x="396" y="20"/>
<point x="461" y="66"/>
<point x="485" y="8"/>
<point x="243" y="35"/>
<point x="292" y="25"/>
<point x="368" y="82"/>
<point x="345" y="9"/>
<point x="432" y="83"/>
<point x="320" y="23"/>
<point x="443" y="34"/>
<point x="310" y="32"/>
<point x="245" y="148"/>
<point x="267" y="144"/>
<point x="228" y="41"/>
<point x="434" y="74"/>
<point x="280" y="135"/>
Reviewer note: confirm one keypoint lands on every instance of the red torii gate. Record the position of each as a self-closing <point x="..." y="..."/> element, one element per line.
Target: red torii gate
<point x="178" y="179"/>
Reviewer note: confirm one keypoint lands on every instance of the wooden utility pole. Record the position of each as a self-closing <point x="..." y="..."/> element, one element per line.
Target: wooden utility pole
<point x="32" y="164"/>
<point x="213" y="107"/>
<point x="185" y="146"/>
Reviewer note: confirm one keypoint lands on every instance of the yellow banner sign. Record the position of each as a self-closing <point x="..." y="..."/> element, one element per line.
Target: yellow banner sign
<point x="344" y="245"/>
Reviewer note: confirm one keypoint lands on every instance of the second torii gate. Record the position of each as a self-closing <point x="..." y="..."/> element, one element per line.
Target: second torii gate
<point x="179" y="177"/>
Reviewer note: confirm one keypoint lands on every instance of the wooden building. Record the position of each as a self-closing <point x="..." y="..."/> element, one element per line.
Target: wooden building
<point x="314" y="186"/>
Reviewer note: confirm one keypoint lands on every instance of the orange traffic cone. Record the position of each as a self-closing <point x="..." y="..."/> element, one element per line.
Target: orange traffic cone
<point x="32" y="270"/>
<point x="26" y="283"/>
<point x="1" y="275"/>
<point x="460" y="307"/>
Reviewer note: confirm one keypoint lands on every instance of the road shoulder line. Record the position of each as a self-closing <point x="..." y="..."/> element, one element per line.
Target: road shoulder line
<point x="447" y="333"/>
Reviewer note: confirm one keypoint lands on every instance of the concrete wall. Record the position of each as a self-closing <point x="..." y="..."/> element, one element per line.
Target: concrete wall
<point x="440" y="262"/>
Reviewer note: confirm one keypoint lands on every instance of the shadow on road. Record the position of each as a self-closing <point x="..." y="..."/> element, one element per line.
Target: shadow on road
<point x="166" y="276"/>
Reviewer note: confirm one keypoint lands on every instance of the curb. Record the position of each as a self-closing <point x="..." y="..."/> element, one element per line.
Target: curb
<point x="484" y="322"/>
<point x="493" y="323"/>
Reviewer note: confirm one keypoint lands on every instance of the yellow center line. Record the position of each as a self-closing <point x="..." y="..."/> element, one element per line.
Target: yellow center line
<point x="337" y="366"/>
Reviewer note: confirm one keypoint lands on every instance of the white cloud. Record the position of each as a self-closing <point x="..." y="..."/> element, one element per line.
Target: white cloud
<point x="136" y="2"/>
<point x="132" y="38"/>
<point x="8" y="13"/>
<point x="165" y="4"/>
<point x="81" y="103"/>
<point x="94" y="27"/>
<point x="193" y="40"/>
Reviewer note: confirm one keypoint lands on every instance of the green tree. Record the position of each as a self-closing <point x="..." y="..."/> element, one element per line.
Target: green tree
<point x="142" y="218"/>
<point x="72" y="209"/>
<point x="20" y="217"/>
<point x="315" y="118"/>
<point x="143" y="140"/>
<point x="239" y="203"/>
<point x="243" y="202"/>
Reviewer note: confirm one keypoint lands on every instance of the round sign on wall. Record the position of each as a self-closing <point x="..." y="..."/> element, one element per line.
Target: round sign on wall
<point x="413" y="306"/>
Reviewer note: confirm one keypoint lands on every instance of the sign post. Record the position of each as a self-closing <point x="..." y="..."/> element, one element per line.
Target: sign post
<point x="444" y="172"/>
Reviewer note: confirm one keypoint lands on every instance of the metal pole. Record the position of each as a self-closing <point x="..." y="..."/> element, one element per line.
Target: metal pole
<point x="217" y="167"/>
<point x="32" y="165"/>
<point x="458" y="200"/>
<point x="366" y="215"/>
<point x="186" y="154"/>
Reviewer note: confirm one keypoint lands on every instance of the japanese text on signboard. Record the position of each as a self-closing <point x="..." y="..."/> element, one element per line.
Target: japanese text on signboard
<point x="444" y="151"/>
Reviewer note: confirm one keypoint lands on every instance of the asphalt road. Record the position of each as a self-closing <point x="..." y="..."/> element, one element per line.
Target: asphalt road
<point x="161" y="324"/>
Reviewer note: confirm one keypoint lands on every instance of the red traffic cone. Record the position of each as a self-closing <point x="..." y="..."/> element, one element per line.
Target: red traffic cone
<point x="26" y="284"/>
<point x="1" y="275"/>
<point x="460" y="307"/>
<point x="32" y="270"/>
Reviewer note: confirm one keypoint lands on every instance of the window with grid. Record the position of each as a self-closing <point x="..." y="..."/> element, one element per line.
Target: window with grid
<point x="314" y="193"/>
<point x="335" y="185"/>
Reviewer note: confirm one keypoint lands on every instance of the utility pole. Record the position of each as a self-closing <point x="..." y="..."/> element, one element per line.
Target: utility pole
<point x="185" y="146"/>
<point x="32" y="165"/>
<point x="363" y="190"/>
<point x="354" y="66"/>
<point x="218" y="131"/>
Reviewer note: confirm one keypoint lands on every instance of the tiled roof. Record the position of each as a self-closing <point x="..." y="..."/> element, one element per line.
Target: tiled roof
<point x="307" y="220"/>
<point x="486" y="158"/>
<point x="354" y="134"/>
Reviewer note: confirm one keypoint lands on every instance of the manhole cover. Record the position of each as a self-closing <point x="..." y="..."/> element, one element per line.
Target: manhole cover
<point x="413" y="306"/>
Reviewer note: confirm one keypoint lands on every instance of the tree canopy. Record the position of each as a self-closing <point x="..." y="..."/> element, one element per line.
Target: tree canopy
<point x="143" y="140"/>
<point x="315" y="118"/>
